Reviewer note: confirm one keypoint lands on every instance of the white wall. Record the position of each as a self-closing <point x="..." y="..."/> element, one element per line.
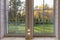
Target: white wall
<point x="1" y="18"/>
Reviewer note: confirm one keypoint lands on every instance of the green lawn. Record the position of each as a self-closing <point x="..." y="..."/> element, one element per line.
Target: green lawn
<point x="16" y="29"/>
<point x="47" y="28"/>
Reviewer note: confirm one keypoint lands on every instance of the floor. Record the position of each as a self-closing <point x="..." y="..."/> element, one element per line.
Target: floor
<point x="19" y="38"/>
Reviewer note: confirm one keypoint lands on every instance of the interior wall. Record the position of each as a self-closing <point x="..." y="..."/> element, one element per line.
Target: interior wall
<point x="1" y="18"/>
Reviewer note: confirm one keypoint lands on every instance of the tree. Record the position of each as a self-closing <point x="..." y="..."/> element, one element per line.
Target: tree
<point x="40" y="14"/>
<point x="13" y="8"/>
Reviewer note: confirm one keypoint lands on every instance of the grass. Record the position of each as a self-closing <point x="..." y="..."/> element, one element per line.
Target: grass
<point x="39" y="28"/>
<point x="46" y="28"/>
<point x="16" y="29"/>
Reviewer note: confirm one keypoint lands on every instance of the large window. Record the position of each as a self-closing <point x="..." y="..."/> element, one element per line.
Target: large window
<point x="43" y="16"/>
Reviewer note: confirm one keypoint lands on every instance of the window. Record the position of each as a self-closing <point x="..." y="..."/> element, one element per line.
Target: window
<point x="44" y="17"/>
<point x="16" y="17"/>
<point x="40" y="21"/>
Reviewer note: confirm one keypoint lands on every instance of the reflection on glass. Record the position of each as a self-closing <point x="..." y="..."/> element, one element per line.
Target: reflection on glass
<point x="43" y="16"/>
<point x="16" y="17"/>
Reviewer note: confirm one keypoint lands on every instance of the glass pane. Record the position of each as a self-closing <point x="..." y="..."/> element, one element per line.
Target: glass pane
<point x="48" y="16"/>
<point x="16" y="17"/>
<point x="38" y="16"/>
<point x="43" y="16"/>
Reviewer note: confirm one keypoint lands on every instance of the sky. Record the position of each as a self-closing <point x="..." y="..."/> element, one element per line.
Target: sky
<point x="39" y="2"/>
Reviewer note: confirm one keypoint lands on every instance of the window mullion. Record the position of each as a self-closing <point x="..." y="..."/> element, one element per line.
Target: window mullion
<point x="29" y="18"/>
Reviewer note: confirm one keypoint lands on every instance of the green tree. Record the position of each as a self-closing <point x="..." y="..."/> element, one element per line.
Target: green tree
<point x="13" y="8"/>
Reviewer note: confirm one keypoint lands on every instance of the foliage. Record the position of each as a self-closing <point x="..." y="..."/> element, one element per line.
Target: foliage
<point x="17" y="13"/>
<point x="14" y="10"/>
<point x="43" y="14"/>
